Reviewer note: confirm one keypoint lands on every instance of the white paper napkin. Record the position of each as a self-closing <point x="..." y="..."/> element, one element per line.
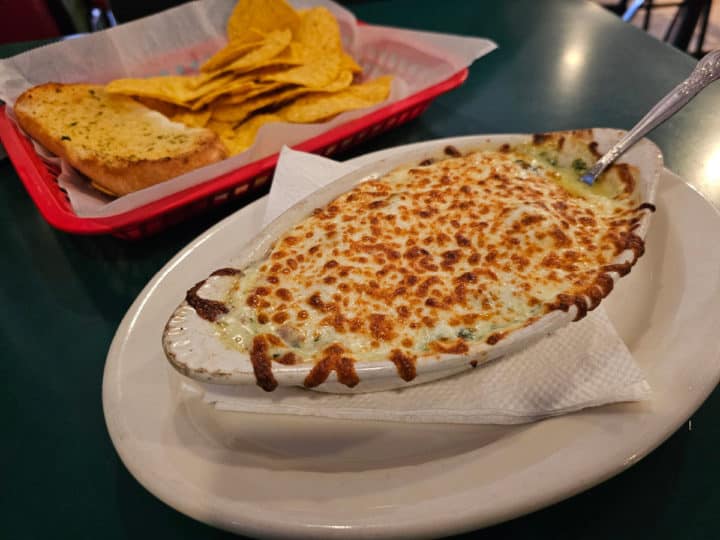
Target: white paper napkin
<point x="585" y="364"/>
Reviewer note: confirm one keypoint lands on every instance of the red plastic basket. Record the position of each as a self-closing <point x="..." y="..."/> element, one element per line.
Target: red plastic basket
<point x="54" y="205"/>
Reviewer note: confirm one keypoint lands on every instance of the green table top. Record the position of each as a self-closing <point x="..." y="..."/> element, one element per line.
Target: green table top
<point x="63" y="296"/>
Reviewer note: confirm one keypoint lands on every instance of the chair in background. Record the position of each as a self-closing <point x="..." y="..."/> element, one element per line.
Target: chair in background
<point x="101" y="15"/>
<point x="34" y="19"/>
<point x="30" y="20"/>
<point x="689" y="16"/>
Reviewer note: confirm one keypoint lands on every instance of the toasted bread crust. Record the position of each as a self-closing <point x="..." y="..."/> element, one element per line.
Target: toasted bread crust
<point x="108" y="169"/>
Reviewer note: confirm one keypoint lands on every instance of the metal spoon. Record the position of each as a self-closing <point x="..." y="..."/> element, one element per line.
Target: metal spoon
<point x="706" y="71"/>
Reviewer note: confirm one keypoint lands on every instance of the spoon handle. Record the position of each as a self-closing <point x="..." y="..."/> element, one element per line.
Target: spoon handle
<point x="706" y="71"/>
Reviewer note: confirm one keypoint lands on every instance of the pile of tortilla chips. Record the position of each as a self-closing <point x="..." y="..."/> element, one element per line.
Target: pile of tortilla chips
<point x="279" y="65"/>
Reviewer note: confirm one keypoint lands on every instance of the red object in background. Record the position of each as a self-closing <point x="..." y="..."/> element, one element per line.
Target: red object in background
<point x="26" y="20"/>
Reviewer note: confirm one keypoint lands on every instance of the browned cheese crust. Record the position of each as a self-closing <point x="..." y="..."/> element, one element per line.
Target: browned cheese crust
<point x="435" y="258"/>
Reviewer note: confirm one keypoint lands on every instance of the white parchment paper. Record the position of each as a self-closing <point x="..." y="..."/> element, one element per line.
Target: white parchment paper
<point x="178" y="40"/>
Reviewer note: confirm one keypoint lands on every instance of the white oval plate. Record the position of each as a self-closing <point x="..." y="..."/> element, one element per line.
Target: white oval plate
<point x="275" y="476"/>
<point x="191" y="343"/>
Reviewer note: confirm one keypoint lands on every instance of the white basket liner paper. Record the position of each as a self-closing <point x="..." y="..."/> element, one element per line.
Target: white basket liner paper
<point x="180" y="39"/>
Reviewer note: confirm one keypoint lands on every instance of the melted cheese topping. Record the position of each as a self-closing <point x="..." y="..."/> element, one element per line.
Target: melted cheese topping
<point x="429" y="259"/>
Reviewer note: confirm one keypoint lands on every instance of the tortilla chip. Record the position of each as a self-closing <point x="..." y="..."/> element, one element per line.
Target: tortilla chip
<point x="241" y="137"/>
<point x="343" y="80"/>
<point x="222" y="129"/>
<point x="319" y="30"/>
<point x="349" y="63"/>
<point x="238" y="98"/>
<point x="320" y="45"/>
<point x="275" y="43"/>
<point x="262" y="15"/>
<point x="177" y="89"/>
<point x="228" y="54"/>
<point x="238" y="113"/>
<point x="316" y="107"/>
<point x="240" y="86"/>
<point x="192" y="118"/>
<point x="229" y="112"/>
<point x="163" y="107"/>
<point x="318" y="73"/>
<point x="280" y="63"/>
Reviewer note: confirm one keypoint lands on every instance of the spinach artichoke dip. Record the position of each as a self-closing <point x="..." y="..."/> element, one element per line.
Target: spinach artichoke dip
<point x="434" y="258"/>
